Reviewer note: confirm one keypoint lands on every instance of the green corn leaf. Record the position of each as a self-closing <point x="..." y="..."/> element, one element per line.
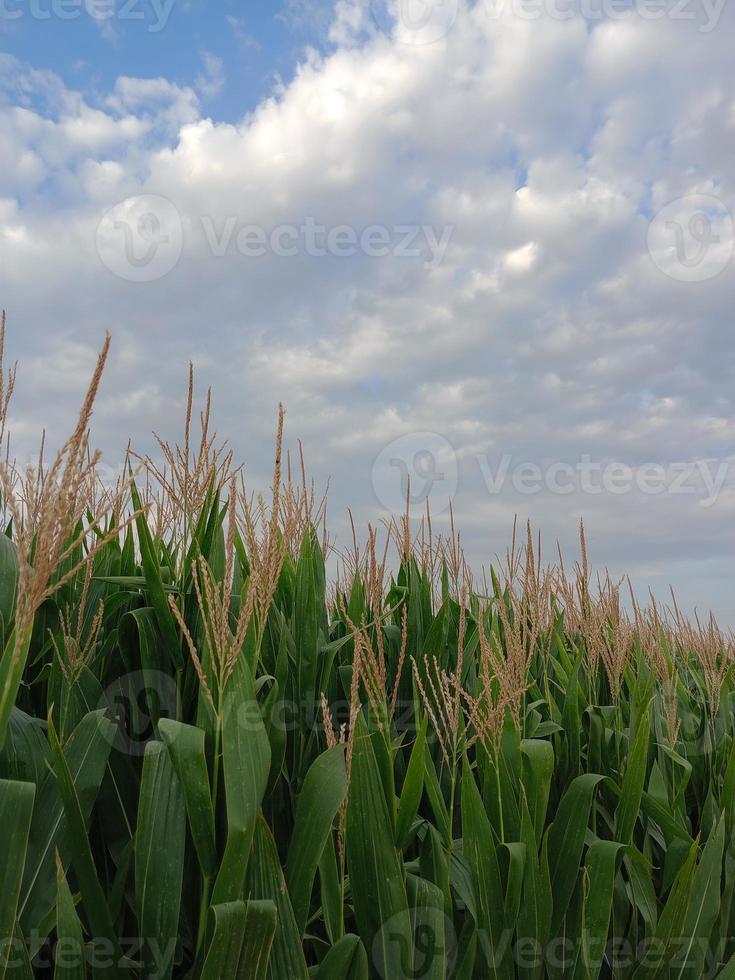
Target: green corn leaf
<point x="481" y="857"/>
<point x="703" y="908"/>
<point x="242" y="935"/>
<point x="413" y="787"/>
<point x="16" y="808"/>
<point x="566" y="841"/>
<point x="9" y="570"/>
<point x="86" y="754"/>
<point x="634" y="781"/>
<point x="139" y="637"/>
<point x="331" y="892"/>
<point x="728" y="971"/>
<point x="516" y="859"/>
<point x="227" y="928"/>
<point x="12" y="665"/>
<point x="154" y="584"/>
<point x="265" y="881"/>
<point x="670" y="924"/>
<point x="464" y="966"/>
<point x="133" y="582"/>
<point x="378" y="887"/>
<point x="346" y="960"/>
<point x="640" y="874"/>
<point x="434" y="795"/>
<point x="727" y="799"/>
<point x="603" y="861"/>
<point x="534" y="916"/>
<point x="429" y="925"/>
<point x="246" y="761"/>
<point x="185" y="744"/>
<point x="273" y="714"/>
<point x="571" y="722"/>
<point x="93" y="897"/>
<point x="306" y="616"/>
<point x="322" y="794"/>
<point x="69" y="956"/>
<point x="538" y="768"/>
<point x="159" y="860"/>
<point x="25" y="754"/>
<point x="260" y="930"/>
<point x="435" y="866"/>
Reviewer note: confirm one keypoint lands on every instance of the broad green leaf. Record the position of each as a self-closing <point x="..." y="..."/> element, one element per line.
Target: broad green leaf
<point x="8" y="577"/>
<point x="16" y="808"/>
<point x="321" y="796"/>
<point x="516" y="861"/>
<point x="25" y="754"/>
<point x="376" y="874"/>
<point x="346" y="960"/>
<point x="140" y="642"/>
<point x="538" y="768"/>
<point x="435" y="796"/>
<point x="265" y="881"/>
<point x="240" y="943"/>
<point x="703" y="908"/>
<point x="86" y="754"/>
<point x="430" y="952"/>
<point x="566" y="841"/>
<point x="154" y="584"/>
<point x="260" y="930"/>
<point x="227" y="929"/>
<point x="571" y="721"/>
<point x="670" y="924"/>
<point x="160" y="839"/>
<point x="480" y="855"/>
<point x="93" y="897"/>
<point x="306" y="615"/>
<point x="603" y="860"/>
<point x="634" y="780"/>
<point x="534" y="916"/>
<point x="330" y="891"/>
<point x="413" y="787"/>
<point x="185" y="744"/>
<point x="246" y="762"/>
<point x="69" y="953"/>
<point x="12" y="664"/>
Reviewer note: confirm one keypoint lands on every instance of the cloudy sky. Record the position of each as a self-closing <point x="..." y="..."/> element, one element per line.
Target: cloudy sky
<point x="487" y="244"/>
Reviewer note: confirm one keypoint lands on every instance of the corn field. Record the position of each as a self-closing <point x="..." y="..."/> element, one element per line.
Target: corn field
<point x="218" y="761"/>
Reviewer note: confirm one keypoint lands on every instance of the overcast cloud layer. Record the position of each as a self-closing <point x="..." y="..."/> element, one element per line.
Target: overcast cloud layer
<point x="502" y="239"/>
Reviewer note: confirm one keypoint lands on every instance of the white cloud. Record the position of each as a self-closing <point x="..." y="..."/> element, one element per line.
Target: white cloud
<point x="211" y="80"/>
<point x="546" y="332"/>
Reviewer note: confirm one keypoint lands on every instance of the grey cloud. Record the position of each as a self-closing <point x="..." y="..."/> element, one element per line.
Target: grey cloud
<point x="547" y="331"/>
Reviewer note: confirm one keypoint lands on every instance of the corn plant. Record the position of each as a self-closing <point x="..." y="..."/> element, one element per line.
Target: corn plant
<point x="215" y="762"/>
